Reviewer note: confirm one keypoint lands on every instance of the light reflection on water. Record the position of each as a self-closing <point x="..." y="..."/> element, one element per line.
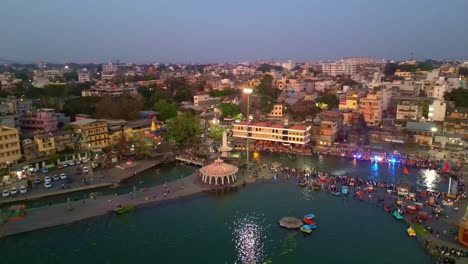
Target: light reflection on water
<point x="429" y="178"/>
<point x="374" y="172"/>
<point x="249" y="235"/>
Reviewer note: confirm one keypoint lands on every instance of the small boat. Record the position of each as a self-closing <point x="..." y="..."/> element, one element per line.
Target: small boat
<point x="386" y="208"/>
<point x="447" y="203"/>
<point x="17" y="212"/>
<point x="313" y="226"/>
<point x="336" y="193"/>
<point x="309" y="216"/>
<point x="345" y="190"/>
<point x="306" y="229"/>
<point x="397" y="215"/>
<point x="122" y="210"/>
<point x="308" y="221"/>
<point x="411" y="232"/>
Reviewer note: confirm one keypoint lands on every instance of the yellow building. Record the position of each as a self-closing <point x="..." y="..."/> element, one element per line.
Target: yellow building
<point x="351" y="102"/>
<point x="277" y="111"/>
<point x="121" y="130"/>
<point x="273" y="132"/>
<point x="45" y="143"/>
<point x="10" y="147"/>
<point x="93" y="133"/>
<point x="371" y="108"/>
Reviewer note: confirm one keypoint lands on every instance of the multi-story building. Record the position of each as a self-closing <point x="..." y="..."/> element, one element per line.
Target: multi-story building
<point x="330" y="126"/>
<point x="276" y="111"/>
<point x="437" y="110"/>
<point x="108" y="71"/>
<point x="456" y="121"/>
<point x="371" y="108"/>
<point x="338" y="68"/>
<point x="45" y="144"/>
<point x="92" y="133"/>
<point x="408" y="111"/>
<point x="351" y="101"/>
<point x="41" y="120"/>
<point x="205" y="100"/>
<point x="102" y="92"/>
<point x="83" y="75"/>
<point x="279" y="133"/>
<point x="359" y="60"/>
<point x="405" y="75"/>
<point x="10" y="147"/>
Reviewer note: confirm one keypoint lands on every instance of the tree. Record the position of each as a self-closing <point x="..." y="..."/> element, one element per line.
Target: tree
<point x="268" y="67"/>
<point x="144" y="147"/>
<point x="124" y="106"/>
<point x="459" y="96"/>
<point x="71" y="76"/>
<point x="229" y="109"/>
<point x="216" y="132"/>
<point x="463" y="71"/>
<point x="166" y="110"/>
<point x="330" y="100"/>
<point x="182" y="94"/>
<point x="267" y="92"/>
<point x="183" y="130"/>
<point x="80" y="105"/>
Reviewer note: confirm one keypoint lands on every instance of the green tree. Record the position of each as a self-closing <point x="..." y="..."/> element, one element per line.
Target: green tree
<point x="459" y="96"/>
<point x="463" y="71"/>
<point x="183" y="94"/>
<point x="229" y="109"/>
<point x="328" y="99"/>
<point x="267" y="92"/>
<point x="183" y="130"/>
<point x="144" y="147"/>
<point x="165" y="109"/>
<point x="71" y="76"/>
<point x="216" y="132"/>
<point x="119" y="107"/>
<point x="80" y="105"/>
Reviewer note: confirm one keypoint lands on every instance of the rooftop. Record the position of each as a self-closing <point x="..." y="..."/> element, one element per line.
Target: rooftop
<point x="84" y="122"/>
<point x="421" y="127"/>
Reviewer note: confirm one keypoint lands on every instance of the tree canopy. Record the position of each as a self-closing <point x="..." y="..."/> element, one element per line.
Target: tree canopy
<point x="183" y="130"/>
<point x="165" y="109"/>
<point x="268" y="67"/>
<point x="224" y="92"/>
<point x="330" y="100"/>
<point x="463" y="71"/>
<point x="119" y="107"/>
<point x="459" y="96"/>
<point x="267" y="92"/>
<point x="229" y="109"/>
<point x="80" y="105"/>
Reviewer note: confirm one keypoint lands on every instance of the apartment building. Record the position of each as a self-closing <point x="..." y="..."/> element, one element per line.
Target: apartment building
<point x="330" y="125"/>
<point x="371" y="108"/>
<point x="408" y="111"/>
<point x="359" y="60"/>
<point x="456" y="121"/>
<point x="84" y="75"/>
<point x="43" y="120"/>
<point x="351" y="101"/>
<point x="45" y="144"/>
<point x="437" y="110"/>
<point x="205" y="100"/>
<point x="338" y="68"/>
<point x="92" y="133"/>
<point x="276" y="111"/>
<point x="10" y="147"/>
<point x="298" y="134"/>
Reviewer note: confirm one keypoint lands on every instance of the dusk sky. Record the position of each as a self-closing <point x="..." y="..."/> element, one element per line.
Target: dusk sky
<point x="230" y="31"/>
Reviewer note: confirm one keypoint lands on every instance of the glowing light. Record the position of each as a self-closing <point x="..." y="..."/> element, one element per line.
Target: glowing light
<point x="359" y="156"/>
<point x="256" y="155"/>
<point x="393" y="160"/>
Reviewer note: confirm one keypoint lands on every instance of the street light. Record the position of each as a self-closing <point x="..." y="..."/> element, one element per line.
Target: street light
<point x="248" y="91"/>
<point x="8" y="164"/>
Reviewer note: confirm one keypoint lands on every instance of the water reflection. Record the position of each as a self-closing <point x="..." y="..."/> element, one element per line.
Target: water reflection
<point x="249" y="236"/>
<point x="429" y="179"/>
<point x="374" y="172"/>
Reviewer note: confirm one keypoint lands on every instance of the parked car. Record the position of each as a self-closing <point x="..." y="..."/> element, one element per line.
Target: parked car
<point x="77" y="162"/>
<point x="56" y="177"/>
<point x="47" y="179"/>
<point x="60" y="167"/>
<point x="14" y="191"/>
<point x="84" y="160"/>
<point x="45" y="170"/>
<point x="23" y="189"/>
<point x="71" y="163"/>
<point x="37" y="181"/>
<point x="47" y="184"/>
<point x="65" y="165"/>
<point x="5" y="193"/>
<point x="66" y="186"/>
<point x="63" y="176"/>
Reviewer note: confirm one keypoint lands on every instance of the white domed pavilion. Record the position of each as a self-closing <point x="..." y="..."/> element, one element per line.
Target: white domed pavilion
<point x="219" y="173"/>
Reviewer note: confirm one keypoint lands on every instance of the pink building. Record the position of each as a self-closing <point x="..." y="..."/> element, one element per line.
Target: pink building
<point x="40" y="120"/>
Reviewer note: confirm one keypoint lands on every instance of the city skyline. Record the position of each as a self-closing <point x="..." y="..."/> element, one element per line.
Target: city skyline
<point x="214" y="32"/>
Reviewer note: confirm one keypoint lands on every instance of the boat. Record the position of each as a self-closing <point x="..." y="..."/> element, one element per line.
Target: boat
<point x="309" y="216"/>
<point x="122" y="210"/>
<point x="397" y="215"/>
<point x="345" y="190"/>
<point x="386" y="208"/>
<point x="16" y="212"/>
<point x="303" y="184"/>
<point x="316" y="188"/>
<point x="447" y="203"/>
<point x="411" y="232"/>
<point x="336" y="193"/>
<point x="306" y="229"/>
<point x="313" y="226"/>
<point x="308" y="221"/>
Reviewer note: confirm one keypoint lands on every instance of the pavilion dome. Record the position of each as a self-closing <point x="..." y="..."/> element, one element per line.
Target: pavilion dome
<point x="219" y="168"/>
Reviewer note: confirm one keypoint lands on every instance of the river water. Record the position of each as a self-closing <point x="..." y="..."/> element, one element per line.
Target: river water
<point x="239" y="227"/>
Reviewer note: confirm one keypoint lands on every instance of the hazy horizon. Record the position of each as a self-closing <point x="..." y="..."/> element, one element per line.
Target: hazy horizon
<point x="210" y="31"/>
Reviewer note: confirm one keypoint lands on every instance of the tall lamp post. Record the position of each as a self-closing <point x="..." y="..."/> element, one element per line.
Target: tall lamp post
<point x="8" y="165"/>
<point x="248" y="91"/>
<point x="433" y="130"/>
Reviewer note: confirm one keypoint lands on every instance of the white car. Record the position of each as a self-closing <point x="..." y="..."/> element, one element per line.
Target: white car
<point x="55" y="177"/>
<point x="63" y="176"/>
<point x="71" y="163"/>
<point x="47" y="179"/>
<point x="23" y="189"/>
<point x="5" y="193"/>
<point x="14" y="191"/>
<point x="65" y="165"/>
<point x="47" y="184"/>
<point x="77" y="162"/>
<point x="45" y="170"/>
<point x="84" y="160"/>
